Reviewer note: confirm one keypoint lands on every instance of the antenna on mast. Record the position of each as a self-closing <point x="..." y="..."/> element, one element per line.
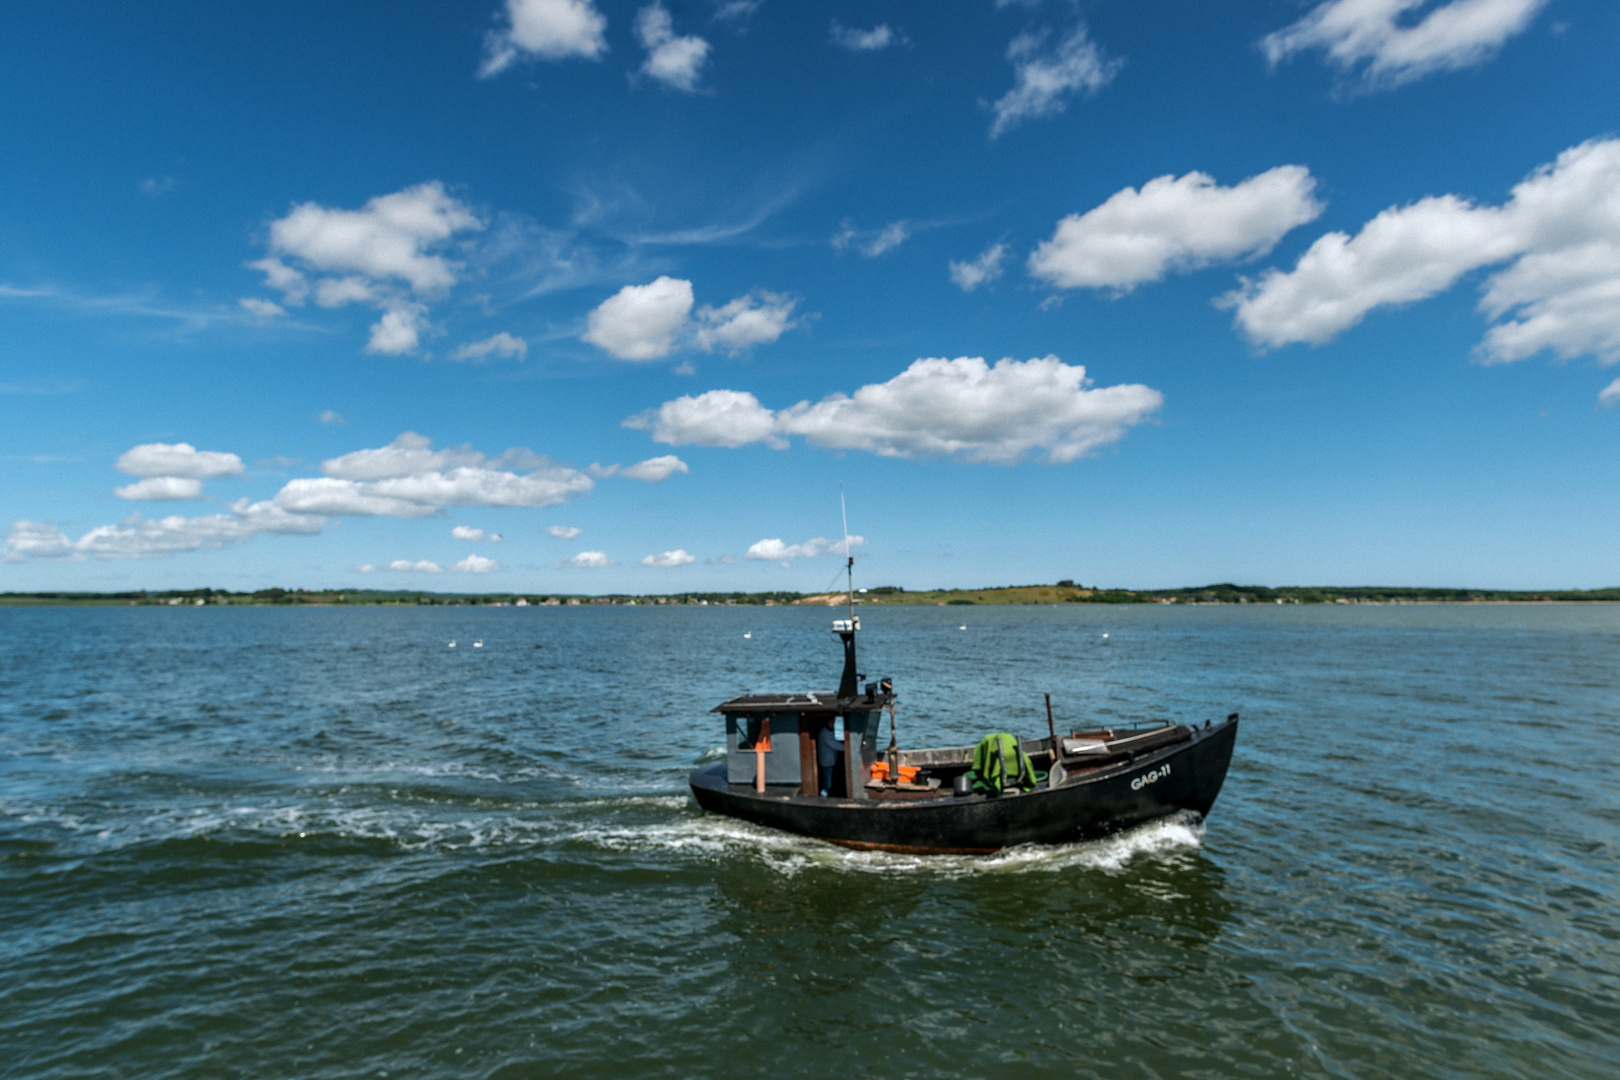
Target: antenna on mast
<point x="849" y="556"/>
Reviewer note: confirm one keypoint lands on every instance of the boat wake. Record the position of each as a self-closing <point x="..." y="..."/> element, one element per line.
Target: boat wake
<point x="655" y="824"/>
<point x="708" y="835"/>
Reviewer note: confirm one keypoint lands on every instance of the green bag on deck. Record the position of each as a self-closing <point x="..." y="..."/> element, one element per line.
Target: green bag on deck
<point x="1000" y="765"/>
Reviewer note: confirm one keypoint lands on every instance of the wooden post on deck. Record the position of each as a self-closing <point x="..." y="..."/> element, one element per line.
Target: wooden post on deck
<point x="762" y="745"/>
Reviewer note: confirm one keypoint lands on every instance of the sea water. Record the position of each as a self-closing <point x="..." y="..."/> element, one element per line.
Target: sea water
<point x="270" y="842"/>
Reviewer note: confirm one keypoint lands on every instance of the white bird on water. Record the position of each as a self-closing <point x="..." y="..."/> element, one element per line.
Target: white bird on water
<point x="1105" y="637"/>
<point x="452" y="644"/>
<point x="961" y="627"/>
<point x="479" y="644"/>
<point x="748" y="634"/>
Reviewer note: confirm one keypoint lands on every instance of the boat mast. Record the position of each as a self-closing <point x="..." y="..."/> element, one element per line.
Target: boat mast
<point x="850" y="681"/>
<point x="849" y="565"/>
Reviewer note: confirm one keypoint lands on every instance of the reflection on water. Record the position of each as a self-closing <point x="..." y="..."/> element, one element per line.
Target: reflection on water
<point x="319" y="843"/>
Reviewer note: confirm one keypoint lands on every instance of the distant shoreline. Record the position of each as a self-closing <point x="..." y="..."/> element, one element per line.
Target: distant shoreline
<point x="1064" y="592"/>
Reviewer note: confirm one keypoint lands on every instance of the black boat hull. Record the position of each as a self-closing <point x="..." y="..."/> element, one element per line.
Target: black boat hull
<point x="1185" y="777"/>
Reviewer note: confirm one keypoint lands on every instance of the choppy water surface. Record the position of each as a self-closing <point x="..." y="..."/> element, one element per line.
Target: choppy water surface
<point x="271" y="843"/>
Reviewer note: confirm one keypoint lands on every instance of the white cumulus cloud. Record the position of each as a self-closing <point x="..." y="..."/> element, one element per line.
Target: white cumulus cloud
<point x="874" y="40"/>
<point x="467" y="532"/>
<point x="655" y="470"/>
<point x="1560" y="230"/>
<point x="964" y="408"/>
<point x="390" y="254"/>
<point x="399" y="331"/>
<point x="549" y="29"/>
<point x="291" y="284"/>
<point x="486" y="487"/>
<point x="336" y="292"/>
<point x="716" y="418"/>
<point x="1044" y="77"/>
<point x="641" y="322"/>
<point x="678" y="557"/>
<point x="503" y="345"/>
<point x="1609" y="396"/>
<point x="29" y="540"/>
<point x="648" y="322"/>
<point x="476" y="564"/>
<point x="563" y="532"/>
<point x="1174" y="224"/>
<point x="260" y="308"/>
<point x="324" y="495"/>
<point x="407" y="455"/>
<point x="1388" y="44"/>
<point x="758" y="318"/>
<point x="408" y="478"/>
<point x="969" y="275"/>
<point x="421" y="566"/>
<point x="141" y="538"/>
<point x="392" y="238"/>
<point x="774" y="550"/>
<point x="162" y="488"/>
<point x="871" y="242"/>
<point x="674" y="60"/>
<point x="587" y="560"/>
<point x="177" y="459"/>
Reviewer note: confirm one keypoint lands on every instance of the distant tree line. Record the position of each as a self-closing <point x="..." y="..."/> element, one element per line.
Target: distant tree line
<point x="1066" y="591"/>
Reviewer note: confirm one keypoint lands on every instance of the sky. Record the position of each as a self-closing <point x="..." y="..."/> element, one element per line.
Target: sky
<point x="580" y="296"/>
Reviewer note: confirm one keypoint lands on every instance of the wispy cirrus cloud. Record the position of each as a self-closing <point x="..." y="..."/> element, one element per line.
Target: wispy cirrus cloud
<point x="135" y="305"/>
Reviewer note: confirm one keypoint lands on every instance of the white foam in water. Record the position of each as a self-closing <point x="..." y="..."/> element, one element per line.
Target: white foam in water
<point x="711" y="834"/>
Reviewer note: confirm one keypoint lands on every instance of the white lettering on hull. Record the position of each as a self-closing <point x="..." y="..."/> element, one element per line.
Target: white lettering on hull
<point x="1152" y="776"/>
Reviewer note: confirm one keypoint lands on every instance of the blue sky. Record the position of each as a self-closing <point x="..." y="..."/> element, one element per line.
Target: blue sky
<point x="1137" y="294"/>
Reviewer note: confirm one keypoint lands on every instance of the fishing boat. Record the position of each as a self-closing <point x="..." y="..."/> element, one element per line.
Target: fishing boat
<point x="808" y="763"/>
